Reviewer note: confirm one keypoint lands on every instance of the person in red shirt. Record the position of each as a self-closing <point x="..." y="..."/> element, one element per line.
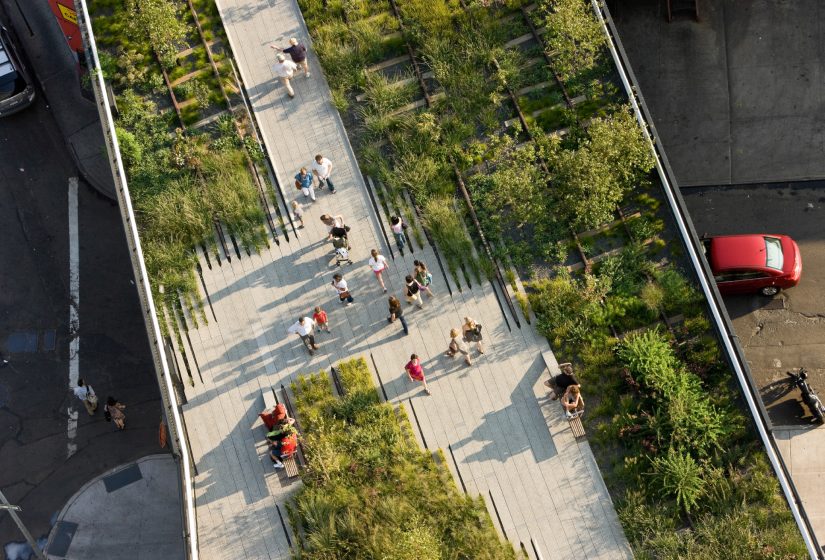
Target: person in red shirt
<point x="321" y="319"/>
<point x="415" y="372"/>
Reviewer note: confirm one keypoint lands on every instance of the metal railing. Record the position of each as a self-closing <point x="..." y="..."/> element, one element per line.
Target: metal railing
<point x="721" y="320"/>
<point x="171" y="408"/>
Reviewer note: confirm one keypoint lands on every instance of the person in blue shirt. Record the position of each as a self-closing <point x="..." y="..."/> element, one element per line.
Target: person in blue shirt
<point x="303" y="181"/>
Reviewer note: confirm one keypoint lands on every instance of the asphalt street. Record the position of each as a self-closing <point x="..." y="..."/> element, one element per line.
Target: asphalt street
<point x="786" y="332"/>
<point x="36" y="471"/>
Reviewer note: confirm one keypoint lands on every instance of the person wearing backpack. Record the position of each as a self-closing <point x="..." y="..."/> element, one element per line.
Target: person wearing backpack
<point x="87" y="395"/>
<point x="423" y="277"/>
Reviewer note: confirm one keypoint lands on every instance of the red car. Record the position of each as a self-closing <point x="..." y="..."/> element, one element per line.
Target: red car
<point x="763" y="263"/>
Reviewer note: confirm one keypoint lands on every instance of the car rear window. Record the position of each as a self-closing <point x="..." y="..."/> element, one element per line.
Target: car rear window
<point x="773" y="250"/>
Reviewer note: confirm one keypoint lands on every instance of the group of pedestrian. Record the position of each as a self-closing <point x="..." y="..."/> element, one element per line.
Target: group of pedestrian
<point x="305" y="327"/>
<point x="286" y="69"/>
<point x="470" y="333"/>
<point x="321" y="172"/>
<point x="112" y="410"/>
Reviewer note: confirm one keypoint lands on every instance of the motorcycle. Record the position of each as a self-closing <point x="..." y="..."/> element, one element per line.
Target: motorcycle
<point x="809" y="396"/>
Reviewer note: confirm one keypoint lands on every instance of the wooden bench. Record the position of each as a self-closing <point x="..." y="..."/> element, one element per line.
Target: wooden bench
<point x="577" y="427"/>
<point x="290" y="466"/>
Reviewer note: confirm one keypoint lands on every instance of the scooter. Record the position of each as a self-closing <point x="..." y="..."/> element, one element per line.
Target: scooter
<point x="809" y="396"/>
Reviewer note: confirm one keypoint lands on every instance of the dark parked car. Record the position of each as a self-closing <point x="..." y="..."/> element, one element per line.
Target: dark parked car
<point x="761" y="263"/>
<point x="16" y="87"/>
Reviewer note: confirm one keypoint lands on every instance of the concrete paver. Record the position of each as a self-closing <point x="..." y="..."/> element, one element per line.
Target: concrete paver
<point x="508" y="440"/>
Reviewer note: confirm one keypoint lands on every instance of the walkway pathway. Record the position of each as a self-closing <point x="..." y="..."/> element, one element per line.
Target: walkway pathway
<point x="511" y="445"/>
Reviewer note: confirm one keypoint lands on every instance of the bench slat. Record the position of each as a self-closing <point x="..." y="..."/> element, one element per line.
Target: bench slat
<point x="577" y="427"/>
<point x="290" y="466"/>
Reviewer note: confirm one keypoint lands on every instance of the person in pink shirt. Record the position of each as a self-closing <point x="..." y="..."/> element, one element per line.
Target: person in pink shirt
<point x="415" y="372"/>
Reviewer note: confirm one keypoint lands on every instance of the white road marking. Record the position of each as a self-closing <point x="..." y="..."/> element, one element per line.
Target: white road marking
<point x="74" y="316"/>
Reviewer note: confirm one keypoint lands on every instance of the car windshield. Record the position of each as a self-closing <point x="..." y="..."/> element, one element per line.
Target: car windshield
<point x="773" y="248"/>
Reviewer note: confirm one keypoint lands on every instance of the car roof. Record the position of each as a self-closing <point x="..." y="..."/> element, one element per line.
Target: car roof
<point x="731" y="252"/>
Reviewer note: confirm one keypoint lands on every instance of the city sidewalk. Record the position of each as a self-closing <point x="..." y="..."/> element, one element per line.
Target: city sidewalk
<point x="511" y="444"/>
<point x="131" y="512"/>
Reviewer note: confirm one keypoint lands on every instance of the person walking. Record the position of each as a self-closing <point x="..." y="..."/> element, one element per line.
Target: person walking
<point x="378" y="264"/>
<point x="455" y="347"/>
<point x="415" y="372"/>
<point x="398" y="226"/>
<point x="472" y="333"/>
<point x="321" y="319"/>
<point x="298" y="212"/>
<point x="397" y="313"/>
<point x="336" y="226"/>
<point x="86" y="394"/>
<point x="340" y="285"/>
<point x="298" y="53"/>
<point x="413" y="291"/>
<point x="285" y="70"/>
<point x="322" y="168"/>
<point x="423" y="277"/>
<point x="303" y="182"/>
<point x="305" y="328"/>
<point x="113" y="411"/>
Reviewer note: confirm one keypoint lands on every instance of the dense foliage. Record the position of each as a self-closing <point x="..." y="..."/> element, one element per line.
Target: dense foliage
<point x="369" y="492"/>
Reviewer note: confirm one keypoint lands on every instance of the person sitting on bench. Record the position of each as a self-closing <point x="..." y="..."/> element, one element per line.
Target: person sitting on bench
<point x="283" y="444"/>
<point x="573" y="402"/>
<point x="559" y="384"/>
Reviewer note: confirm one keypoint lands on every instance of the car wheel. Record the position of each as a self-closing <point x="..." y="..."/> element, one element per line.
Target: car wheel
<point x="769" y="291"/>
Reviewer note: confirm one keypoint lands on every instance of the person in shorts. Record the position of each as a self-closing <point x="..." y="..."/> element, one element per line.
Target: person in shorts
<point x="378" y="264"/>
<point x="298" y="53"/>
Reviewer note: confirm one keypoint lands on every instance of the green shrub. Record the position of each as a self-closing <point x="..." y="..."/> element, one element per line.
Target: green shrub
<point x="575" y="40"/>
<point x="162" y="22"/>
<point x="680" y="476"/>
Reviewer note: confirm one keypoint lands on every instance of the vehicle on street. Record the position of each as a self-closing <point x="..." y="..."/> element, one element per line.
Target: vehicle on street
<point x="755" y="263"/>
<point x="16" y="86"/>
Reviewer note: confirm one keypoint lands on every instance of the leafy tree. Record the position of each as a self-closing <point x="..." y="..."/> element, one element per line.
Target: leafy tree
<point x="574" y="37"/>
<point x="618" y="141"/>
<point x="162" y="22"/>
<point x="679" y="476"/>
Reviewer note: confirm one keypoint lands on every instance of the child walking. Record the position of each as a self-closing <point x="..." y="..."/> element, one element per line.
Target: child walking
<point x="298" y="211"/>
<point x="321" y="319"/>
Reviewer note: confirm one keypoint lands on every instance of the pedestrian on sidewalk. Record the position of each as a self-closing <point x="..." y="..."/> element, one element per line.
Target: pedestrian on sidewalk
<point x="423" y="277"/>
<point x="341" y="287"/>
<point x="413" y="291"/>
<point x="305" y="328"/>
<point x="285" y="70"/>
<point x="322" y="169"/>
<point x="415" y="372"/>
<point x="397" y="313"/>
<point x="336" y="226"/>
<point x="298" y="211"/>
<point x="321" y="319"/>
<point x="303" y="182"/>
<point x="398" y="226"/>
<point x="86" y="394"/>
<point x="456" y="347"/>
<point x="113" y="411"/>
<point x="378" y="264"/>
<point x="472" y="333"/>
<point x="298" y="53"/>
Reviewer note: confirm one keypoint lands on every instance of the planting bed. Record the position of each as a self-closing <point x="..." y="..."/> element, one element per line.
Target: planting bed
<point x="369" y="491"/>
<point x="502" y="127"/>
<point x="189" y="148"/>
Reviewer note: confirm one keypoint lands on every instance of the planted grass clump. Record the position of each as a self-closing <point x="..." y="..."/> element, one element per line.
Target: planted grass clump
<point x="369" y="491"/>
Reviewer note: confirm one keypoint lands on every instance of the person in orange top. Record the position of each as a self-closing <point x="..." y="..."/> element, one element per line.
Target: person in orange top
<point x="321" y="319"/>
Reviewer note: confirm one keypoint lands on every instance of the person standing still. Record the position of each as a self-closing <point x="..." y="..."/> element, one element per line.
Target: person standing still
<point x="86" y="394"/>
<point x="415" y="372"/>
<point x="303" y="182"/>
<point x="341" y="287"/>
<point x="398" y="226"/>
<point x="378" y="264"/>
<point x="285" y="70"/>
<point x="305" y="327"/>
<point x="397" y="313"/>
<point x="298" y="53"/>
<point x="322" y="169"/>
<point x="114" y="411"/>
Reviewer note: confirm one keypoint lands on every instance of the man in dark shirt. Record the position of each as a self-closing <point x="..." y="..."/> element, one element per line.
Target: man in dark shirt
<point x="559" y="384"/>
<point x="298" y="52"/>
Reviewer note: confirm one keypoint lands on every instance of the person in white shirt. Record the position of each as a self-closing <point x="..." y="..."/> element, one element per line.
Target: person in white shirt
<point x="305" y="328"/>
<point x="285" y="69"/>
<point x="86" y="394"/>
<point x="341" y="287"/>
<point x="378" y="264"/>
<point x="322" y="169"/>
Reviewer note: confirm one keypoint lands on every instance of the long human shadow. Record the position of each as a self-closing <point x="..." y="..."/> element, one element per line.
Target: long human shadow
<point x="504" y="431"/>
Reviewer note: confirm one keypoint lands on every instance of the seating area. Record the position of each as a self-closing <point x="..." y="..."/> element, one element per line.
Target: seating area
<point x="573" y="417"/>
<point x="277" y="412"/>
